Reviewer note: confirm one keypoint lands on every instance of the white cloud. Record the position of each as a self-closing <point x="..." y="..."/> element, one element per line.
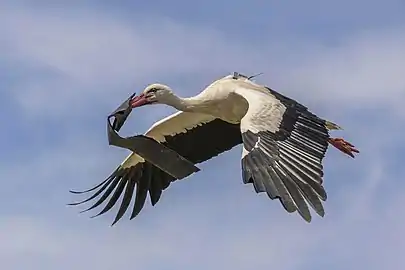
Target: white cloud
<point x="365" y="69"/>
<point x="97" y="54"/>
<point x="235" y="230"/>
<point x="99" y="57"/>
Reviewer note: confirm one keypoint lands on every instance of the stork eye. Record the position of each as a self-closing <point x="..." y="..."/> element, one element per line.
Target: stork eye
<point x="153" y="90"/>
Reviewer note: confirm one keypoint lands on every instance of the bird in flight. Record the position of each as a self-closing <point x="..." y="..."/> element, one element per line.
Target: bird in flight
<point x="283" y="145"/>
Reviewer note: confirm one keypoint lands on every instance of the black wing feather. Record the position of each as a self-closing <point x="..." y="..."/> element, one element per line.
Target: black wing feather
<point x="117" y="193"/>
<point x="147" y="178"/>
<point x="292" y="157"/>
<point x="126" y="200"/>
<point x="107" y="193"/>
<point x="142" y="187"/>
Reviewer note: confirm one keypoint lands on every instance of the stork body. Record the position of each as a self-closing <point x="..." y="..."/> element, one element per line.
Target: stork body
<point x="283" y="144"/>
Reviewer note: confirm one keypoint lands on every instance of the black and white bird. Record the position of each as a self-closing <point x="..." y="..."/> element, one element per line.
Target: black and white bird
<point x="283" y="145"/>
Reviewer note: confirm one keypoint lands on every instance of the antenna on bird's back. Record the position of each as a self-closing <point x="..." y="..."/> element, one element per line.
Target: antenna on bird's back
<point x="254" y="76"/>
<point x="237" y="75"/>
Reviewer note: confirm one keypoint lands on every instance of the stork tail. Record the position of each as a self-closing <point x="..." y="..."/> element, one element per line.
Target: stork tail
<point x="332" y="126"/>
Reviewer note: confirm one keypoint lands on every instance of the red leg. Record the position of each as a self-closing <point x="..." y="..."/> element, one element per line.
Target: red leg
<point x="343" y="146"/>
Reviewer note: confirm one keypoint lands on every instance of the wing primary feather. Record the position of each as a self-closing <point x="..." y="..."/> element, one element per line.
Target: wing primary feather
<point x="294" y="153"/>
<point x="268" y="144"/>
<point x="256" y="167"/>
<point x="293" y="148"/>
<point x="126" y="200"/>
<point x="319" y="134"/>
<point x="142" y="188"/>
<point x="166" y="180"/>
<point x="302" y="177"/>
<point x="305" y="148"/>
<point x="312" y="124"/>
<point x="263" y="161"/>
<point x="155" y="188"/>
<point x="313" y="136"/>
<point x="285" y="197"/>
<point x="99" y="185"/>
<point x="307" y="136"/>
<point x="259" y="180"/>
<point x="308" y="162"/>
<point x="312" y="198"/>
<point x="112" y="186"/>
<point x="268" y="137"/>
<point x="246" y="172"/>
<point x="313" y="118"/>
<point x="320" y="190"/>
<point x="293" y="189"/>
<point x="249" y="140"/>
<point x="273" y="184"/>
<point x="90" y="189"/>
<point x="117" y="193"/>
<point x="308" y="142"/>
<point x="300" y="166"/>
<point x="95" y="194"/>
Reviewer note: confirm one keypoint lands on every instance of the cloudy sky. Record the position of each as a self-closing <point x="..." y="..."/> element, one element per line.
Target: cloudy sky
<point x="64" y="65"/>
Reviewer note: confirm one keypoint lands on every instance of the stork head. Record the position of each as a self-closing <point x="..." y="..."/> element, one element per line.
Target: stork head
<point x="153" y="94"/>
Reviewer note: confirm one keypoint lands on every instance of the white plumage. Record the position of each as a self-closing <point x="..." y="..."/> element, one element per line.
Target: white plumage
<point x="283" y="144"/>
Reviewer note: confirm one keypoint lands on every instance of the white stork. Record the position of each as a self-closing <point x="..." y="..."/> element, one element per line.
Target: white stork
<point x="283" y="145"/>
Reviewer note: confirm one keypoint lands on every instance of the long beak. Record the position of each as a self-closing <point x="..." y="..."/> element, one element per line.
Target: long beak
<point x="138" y="101"/>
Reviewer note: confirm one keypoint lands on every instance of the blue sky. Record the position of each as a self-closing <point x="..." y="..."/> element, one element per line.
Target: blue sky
<point x="64" y="67"/>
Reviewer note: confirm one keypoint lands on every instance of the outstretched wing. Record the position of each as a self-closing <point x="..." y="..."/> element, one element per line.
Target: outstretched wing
<point x="284" y="145"/>
<point x="197" y="137"/>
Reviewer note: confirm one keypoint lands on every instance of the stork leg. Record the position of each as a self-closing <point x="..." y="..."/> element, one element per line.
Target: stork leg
<point x="340" y="143"/>
<point x="343" y="146"/>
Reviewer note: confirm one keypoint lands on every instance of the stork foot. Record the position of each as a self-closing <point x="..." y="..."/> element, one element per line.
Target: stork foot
<point x="343" y="146"/>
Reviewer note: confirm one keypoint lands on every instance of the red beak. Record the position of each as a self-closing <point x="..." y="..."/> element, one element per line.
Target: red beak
<point x="138" y="101"/>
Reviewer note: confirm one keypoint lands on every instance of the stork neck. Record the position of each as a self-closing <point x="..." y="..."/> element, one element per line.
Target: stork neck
<point x="183" y="104"/>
